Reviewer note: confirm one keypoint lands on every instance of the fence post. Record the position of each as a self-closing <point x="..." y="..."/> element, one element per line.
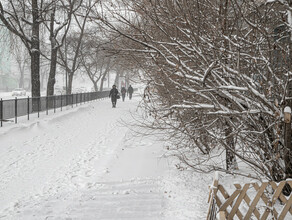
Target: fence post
<point x="47" y="111"/>
<point x="222" y="215"/>
<point x="61" y="102"/>
<point x="72" y="100"/>
<point x="211" y="199"/>
<point x="27" y="107"/>
<point x="15" y="110"/>
<point x="76" y="99"/>
<point x="1" y="115"/>
<point x="39" y="100"/>
<point x="54" y="104"/>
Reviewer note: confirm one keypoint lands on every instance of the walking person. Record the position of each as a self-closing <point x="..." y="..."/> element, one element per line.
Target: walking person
<point x="114" y="95"/>
<point x="123" y="91"/>
<point x="130" y="91"/>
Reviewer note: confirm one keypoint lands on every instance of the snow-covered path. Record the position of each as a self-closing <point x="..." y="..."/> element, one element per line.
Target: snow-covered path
<point x="85" y="163"/>
<point x="81" y="164"/>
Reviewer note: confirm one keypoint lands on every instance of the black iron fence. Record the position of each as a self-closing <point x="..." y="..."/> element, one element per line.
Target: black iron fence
<point x="13" y="108"/>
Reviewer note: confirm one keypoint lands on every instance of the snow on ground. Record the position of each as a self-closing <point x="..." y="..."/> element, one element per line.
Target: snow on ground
<point x="86" y="163"/>
<point x="8" y="95"/>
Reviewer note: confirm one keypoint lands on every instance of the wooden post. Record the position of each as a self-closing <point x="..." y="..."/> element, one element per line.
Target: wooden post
<point x="287" y="140"/>
<point x="288" y="130"/>
<point x="222" y="215"/>
<point x="212" y="194"/>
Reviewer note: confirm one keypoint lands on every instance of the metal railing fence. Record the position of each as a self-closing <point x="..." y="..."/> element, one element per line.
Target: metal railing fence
<point x="18" y="107"/>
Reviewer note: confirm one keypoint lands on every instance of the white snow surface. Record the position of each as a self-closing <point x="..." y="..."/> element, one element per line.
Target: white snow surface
<point x="87" y="163"/>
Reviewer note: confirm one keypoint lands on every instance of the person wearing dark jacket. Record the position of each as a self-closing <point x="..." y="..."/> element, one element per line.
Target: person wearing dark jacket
<point x="114" y="93"/>
<point x="123" y="91"/>
<point x="130" y="91"/>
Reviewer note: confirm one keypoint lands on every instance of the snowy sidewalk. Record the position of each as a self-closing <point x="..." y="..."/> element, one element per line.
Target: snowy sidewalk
<point x="85" y="164"/>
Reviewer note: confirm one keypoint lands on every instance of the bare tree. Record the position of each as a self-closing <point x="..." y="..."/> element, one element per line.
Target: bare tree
<point x="95" y="58"/>
<point x="59" y="17"/>
<point x="69" y="55"/>
<point x="217" y="75"/>
<point x="21" y="57"/>
<point x="23" y="20"/>
<point x="97" y="66"/>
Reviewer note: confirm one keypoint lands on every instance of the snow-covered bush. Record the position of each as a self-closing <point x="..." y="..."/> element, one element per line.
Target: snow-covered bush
<point x="218" y="76"/>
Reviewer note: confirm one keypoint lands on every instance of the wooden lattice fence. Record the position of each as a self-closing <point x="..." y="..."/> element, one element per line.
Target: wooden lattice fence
<point x="250" y="201"/>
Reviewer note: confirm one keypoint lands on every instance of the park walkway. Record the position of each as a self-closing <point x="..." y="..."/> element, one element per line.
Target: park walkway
<point x="84" y="163"/>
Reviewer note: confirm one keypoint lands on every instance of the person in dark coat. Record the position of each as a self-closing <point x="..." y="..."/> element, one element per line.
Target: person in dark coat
<point x="123" y="91"/>
<point x="113" y="95"/>
<point x="130" y="91"/>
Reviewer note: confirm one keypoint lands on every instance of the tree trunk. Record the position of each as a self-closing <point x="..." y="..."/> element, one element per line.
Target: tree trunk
<point x="35" y="57"/>
<point x="35" y="51"/>
<point x="231" y="163"/>
<point x="52" y="74"/>
<point x="101" y="84"/>
<point x="127" y="81"/>
<point x="43" y="76"/>
<point x="230" y="157"/>
<point x="102" y="80"/>
<point x="95" y="86"/>
<point x="21" y="80"/>
<point x="21" y="67"/>
<point x="70" y="83"/>
<point x="54" y="52"/>
<point x="117" y="80"/>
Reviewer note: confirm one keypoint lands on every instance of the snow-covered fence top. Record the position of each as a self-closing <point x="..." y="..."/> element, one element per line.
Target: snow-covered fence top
<point x="11" y="109"/>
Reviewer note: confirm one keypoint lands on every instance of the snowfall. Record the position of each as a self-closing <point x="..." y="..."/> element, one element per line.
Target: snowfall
<point x="91" y="162"/>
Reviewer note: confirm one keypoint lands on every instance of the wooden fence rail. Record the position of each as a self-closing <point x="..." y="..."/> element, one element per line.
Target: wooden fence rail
<point x="250" y="201"/>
